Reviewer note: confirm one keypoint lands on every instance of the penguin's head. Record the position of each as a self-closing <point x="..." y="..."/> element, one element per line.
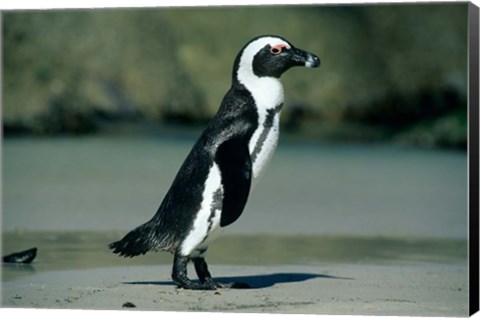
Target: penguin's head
<point x="271" y="56"/>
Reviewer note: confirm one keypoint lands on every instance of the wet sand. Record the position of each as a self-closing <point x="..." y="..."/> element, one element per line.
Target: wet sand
<point x="309" y="274"/>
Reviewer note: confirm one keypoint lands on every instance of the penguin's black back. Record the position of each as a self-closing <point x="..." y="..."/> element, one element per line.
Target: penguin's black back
<point x="225" y="139"/>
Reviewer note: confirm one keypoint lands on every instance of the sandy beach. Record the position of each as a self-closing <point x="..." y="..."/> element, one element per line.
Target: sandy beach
<point x="427" y="290"/>
<point x="287" y="274"/>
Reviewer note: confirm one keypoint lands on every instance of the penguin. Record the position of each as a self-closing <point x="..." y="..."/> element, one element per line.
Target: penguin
<point x="212" y="186"/>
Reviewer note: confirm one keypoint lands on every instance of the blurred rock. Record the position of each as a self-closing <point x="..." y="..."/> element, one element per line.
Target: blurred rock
<point x="23" y="257"/>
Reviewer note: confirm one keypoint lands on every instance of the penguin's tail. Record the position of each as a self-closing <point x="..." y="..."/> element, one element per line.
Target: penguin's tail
<point x="138" y="241"/>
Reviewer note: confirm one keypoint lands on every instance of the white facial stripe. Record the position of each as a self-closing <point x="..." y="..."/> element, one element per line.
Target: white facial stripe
<point x="245" y="69"/>
<point x="267" y="91"/>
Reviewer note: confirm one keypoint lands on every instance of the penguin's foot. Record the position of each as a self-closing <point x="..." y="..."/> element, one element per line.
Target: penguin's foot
<point x="179" y="274"/>
<point x="188" y="284"/>
<point x="205" y="277"/>
<point x="210" y="284"/>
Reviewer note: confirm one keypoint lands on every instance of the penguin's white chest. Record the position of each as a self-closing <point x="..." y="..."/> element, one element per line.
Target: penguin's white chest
<point x="268" y="96"/>
<point x="264" y="142"/>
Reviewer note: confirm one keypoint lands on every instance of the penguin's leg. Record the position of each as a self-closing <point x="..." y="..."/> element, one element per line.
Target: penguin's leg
<point x="179" y="275"/>
<point x="205" y="277"/>
<point x="202" y="270"/>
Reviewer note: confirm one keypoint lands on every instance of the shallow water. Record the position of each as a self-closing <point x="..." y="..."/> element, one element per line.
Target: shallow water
<point x="109" y="183"/>
<point x="82" y="250"/>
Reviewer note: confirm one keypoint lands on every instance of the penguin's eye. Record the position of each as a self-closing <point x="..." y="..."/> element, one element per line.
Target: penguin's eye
<point x="277" y="49"/>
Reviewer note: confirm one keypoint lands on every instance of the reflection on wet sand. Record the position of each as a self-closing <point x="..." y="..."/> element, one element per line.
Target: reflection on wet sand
<point x="82" y="250"/>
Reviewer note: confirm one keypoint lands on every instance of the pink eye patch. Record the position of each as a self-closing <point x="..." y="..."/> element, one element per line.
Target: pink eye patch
<point x="277" y="49"/>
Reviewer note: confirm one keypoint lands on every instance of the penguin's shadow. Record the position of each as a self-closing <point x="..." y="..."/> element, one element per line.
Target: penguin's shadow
<point x="257" y="281"/>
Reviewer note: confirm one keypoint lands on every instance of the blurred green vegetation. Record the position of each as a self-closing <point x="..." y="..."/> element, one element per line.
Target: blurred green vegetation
<point x="389" y="72"/>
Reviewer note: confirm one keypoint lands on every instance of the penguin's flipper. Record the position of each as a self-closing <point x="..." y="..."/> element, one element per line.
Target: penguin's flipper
<point x="233" y="159"/>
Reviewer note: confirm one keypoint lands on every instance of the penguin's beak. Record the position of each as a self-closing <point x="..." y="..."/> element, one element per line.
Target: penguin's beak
<point x="304" y="58"/>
